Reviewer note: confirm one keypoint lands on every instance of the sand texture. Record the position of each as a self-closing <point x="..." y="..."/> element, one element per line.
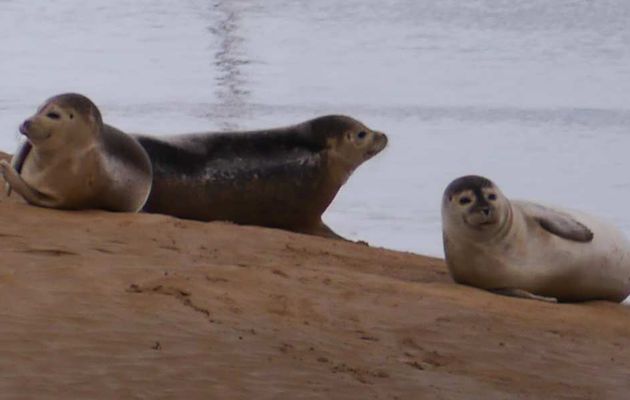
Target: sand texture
<point x="115" y="306"/>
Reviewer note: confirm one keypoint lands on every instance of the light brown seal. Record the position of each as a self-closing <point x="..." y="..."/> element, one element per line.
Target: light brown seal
<point x="528" y="250"/>
<point x="281" y="178"/>
<point x="71" y="160"/>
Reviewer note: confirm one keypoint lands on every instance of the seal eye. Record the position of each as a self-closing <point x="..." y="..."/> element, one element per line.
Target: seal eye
<point x="492" y="197"/>
<point x="362" y="134"/>
<point x="53" y="115"/>
<point x="464" y="200"/>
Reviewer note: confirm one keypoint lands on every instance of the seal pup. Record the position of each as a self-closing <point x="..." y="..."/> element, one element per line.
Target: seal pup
<point x="524" y="249"/>
<point x="71" y="160"/>
<point x="280" y="178"/>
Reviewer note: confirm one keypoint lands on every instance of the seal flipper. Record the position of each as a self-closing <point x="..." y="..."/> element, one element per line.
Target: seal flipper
<point x="324" y="231"/>
<point x="562" y="225"/>
<point x="523" y="294"/>
<point x="17" y="161"/>
<point x="32" y="196"/>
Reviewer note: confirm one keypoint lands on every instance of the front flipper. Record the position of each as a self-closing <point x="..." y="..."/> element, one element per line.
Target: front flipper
<point x="17" y="161"/>
<point x="561" y="224"/>
<point x="32" y="196"/>
<point x="523" y="294"/>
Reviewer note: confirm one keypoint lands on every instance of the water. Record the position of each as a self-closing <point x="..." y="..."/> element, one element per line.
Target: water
<point x="534" y="95"/>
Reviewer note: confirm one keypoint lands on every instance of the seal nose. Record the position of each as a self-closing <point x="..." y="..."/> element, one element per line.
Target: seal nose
<point x="486" y="211"/>
<point x="381" y="137"/>
<point x="26" y="125"/>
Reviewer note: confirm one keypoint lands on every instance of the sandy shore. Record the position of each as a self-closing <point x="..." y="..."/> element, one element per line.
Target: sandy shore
<point x="105" y="305"/>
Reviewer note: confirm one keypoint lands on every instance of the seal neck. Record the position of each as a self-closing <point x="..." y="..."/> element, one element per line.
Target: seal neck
<point x="506" y="226"/>
<point x="339" y="169"/>
<point x="47" y="156"/>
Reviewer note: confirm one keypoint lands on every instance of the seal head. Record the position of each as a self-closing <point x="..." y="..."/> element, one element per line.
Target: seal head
<point x="475" y="204"/>
<point x="349" y="143"/>
<point x="65" y="120"/>
<point x="347" y="136"/>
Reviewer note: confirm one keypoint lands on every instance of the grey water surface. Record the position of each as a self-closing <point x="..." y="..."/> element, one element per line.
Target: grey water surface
<point x="534" y="95"/>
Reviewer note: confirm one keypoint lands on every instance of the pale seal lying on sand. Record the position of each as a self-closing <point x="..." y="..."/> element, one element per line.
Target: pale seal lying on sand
<point x="528" y="250"/>
<point x="71" y="160"/>
<point x="281" y="178"/>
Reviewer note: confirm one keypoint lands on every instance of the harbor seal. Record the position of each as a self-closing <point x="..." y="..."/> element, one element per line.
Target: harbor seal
<point x="280" y="178"/>
<point x="71" y="160"/>
<point x="525" y="249"/>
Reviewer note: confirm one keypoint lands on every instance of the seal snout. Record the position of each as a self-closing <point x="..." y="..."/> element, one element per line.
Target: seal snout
<point x="382" y="139"/>
<point x="481" y="216"/>
<point x="379" y="143"/>
<point x="25" y="127"/>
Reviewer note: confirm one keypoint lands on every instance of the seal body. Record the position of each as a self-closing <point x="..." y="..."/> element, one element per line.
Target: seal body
<point x="501" y="245"/>
<point x="281" y="178"/>
<point x="71" y="160"/>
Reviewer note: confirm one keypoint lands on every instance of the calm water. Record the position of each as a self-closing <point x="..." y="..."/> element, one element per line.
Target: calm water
<point x="534" y="95"/>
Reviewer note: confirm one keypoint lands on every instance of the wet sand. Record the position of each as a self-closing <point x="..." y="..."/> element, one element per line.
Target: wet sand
<point x="105" y="305"/>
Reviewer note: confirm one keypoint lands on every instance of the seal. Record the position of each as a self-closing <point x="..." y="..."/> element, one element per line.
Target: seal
<point x="281" y="178"/>
<point x="71" y="160"/>
<point x="525" y="249"/>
